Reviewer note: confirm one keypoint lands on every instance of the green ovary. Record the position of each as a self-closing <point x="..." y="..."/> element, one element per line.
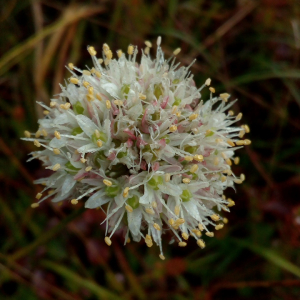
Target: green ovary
<point x="76" y="130"/>
<point x="190" y="149"/>
<point x="121" y="154"/>
<point x="125" y="90"/>
<point x="112" y="191"/>
<point x="158" y="90"/>
<point x="155" y="181"/>
<point x="177" y="101"/>
<point x="102" y="136"/>
<point x="71" y="169"/>
<point x="133" y="201"/>
<point x="78" y="108"/>
<point x="186" y="195"/>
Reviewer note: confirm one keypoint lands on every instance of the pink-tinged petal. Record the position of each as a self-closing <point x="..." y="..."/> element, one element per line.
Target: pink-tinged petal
<point x="144" y="122"/>
<point x="143" y="165"/>
<point x="188" y="107"/>
<point x="130" y="133"/>
<point x="187" y="176"/>
<point x="155" y="166"/>
<point x="140" y="142"/>
<point x="162" y="143"/>
<point x="129" y="143"/>
<point x="165" y="102"/>
<point x="81" y="174"/>
<point x="111" y="156"/>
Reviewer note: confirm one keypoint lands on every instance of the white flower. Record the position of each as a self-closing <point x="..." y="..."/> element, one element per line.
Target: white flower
<point x="135" y="139"/>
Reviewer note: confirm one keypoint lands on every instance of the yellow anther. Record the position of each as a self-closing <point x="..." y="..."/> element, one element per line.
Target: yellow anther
<point x="74" y="80"/>
<point x="53" y="103"/>
<point x="223" y="178"/>
<point x="99" y="143"/>
<point x="212" y="89"/>
<point x="239" y="116"/>
<point x="219" y="140"/>
<point x="171" y="222"/>
<point x="92" y="51"/>
<point x="161" y="257"/>
<point x="247" y="129"/>
<point x="193" y="117"/>
<point x="87" y="169"/>
<point x="97" y="133"/>
<point x="74" y="201"/>
<point x="247" y="142"/>
<point x="227" y="171"/>
<point x="44" y="132"/>
<point x="130" y="49"/>
<point x="231" y="143"/>
<point x="156" y="226"/>
<point x="142" y="96"/>
<point x="105" y="47"/>
<point x="242" y="133"/>
<point x="90" y="97"/>
<point x="86" y="72"/>
<point x="167" y="177"/>
<point x="186" y="180"/>
<point x="98" y="74"/>
<point x="108" y="104"/>
<point x="224" y="97"/>
<point x="38" y="196"/>
<point x="228" y="161"/>
<point x="129" y="208"/>
<point x="150" y="211"/>
<point x="208" y="132"/>
<point x="100" y="60"/>
<point x="182" y="244"/>
<point x="230" y="112"/>
<point x="98" y="97"/>
<point x="35" y="205"/>
<point x="230" y="202"/>
<point x="243" y="177"/>
<point x="225" y="220"/>
<point x="237" y="181"/>
<point x="174" y="109"/>
<point x="177" y="210"/>
<point x="208" y="81"/>
<point x="240" y="143"/>
<point x="118" y="102"/>
<point x="223" y="197"/>
<point x="119" y="53"/>
<point x="83" y="160"/>
<point x="179" y="221"/>
<point x="154" y="204"/>
<point x="71" y="66"/>
<point x="56" y="151"/>
<point x="148" y="238"/>
<point x="90" y="90"/>
<point x="57" y="134"/>
<point x="128" y="240"/>
<point x="188" y="158"/>
<point x="219" y="226"/>
<point x="65" y="106"/>
<point x="185" y="236"/>
<point x="86" y="84"/>
<point x="147" y="50"/>
<point x="125" y="192"/>
<point x="201" y="244"/>
<point x="109" y="54"/>
<point x="27" y="134"/>
<point x="216" y="161"/>
<point x="215" y="217"/>
<point x="178" y="114"/>
<point x="173" y="128"/>
<point x="46" y="112"/>
<point x="148" y="44"/>
<point x="176" y="51"/>
<point x="107" y="241"/>
<point x="194" y="169"/>
<point x="210" y="234"/>
<point x="236" y="160"/>
<point x="107" y="182"/>
<point x="38" y="134"/>
<point x="198" y="158"/>
<point x="37" y="143"/>
<point x="56" y="167"/>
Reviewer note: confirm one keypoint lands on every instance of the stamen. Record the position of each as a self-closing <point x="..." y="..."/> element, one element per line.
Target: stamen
<point x="219" y="226"/>
<point x="230" y="202"/>
<point x="53" y="103"/>
<point x="27" y="134"/>
<point x="57" y="134"/>
<point x="193" y="117"/>
<point x="154" y="204"/>
<point x="188" y="158"/>
<point x="236" y="160"/>
<point x="92" y="51"/>
<point x="156" y="226"/>
<point x="239" y="116"/>
<point x="194" y="169"/>
<point x="74" y="201"/>
<point x="56" y="167"/>
<point x="173" y="128"/>
<point x="210" y="234"/>
<point x="125" y="192"/>
<point x="130" y="49"/>
<point x="201" y="244"/>
<point x="99" y="143"/>
<point x="87" y="169"/>
<point x="37" y="143"/>
<point x="148" y="44"/>
<point x="46" y="112"/>
<point x="215" y="217"/>
<point x="185" y="236"/>
<point x="107" y="241"/>
<point x="71" y="66"/>
<point x="35" y="205"/>
<point x="129" y="208"/>
<point x="186" y="180"/>
<point x="119" y="53"/>
<point x="142" y="96"/>
<point x="150" y="211"/>
<point x="86" y="72"/>
<point x="212" y="89"/>
<point x="118" y="102"/>
<point x="177" y="210"/>
<point x="161" y="257"/>
<point x="225" y="220"/>
<point x="176" y="51"/>
<point x="83" y="160"/>
<point x="231" y="143"/>
<point x="198" y="158"/>
<point x="74" y="80"/>
<point x="182" y="244"/>
<point x="44" y="132"/>
<point x="107" y="182"/>
<point x="56" y="151"/>
<point x="108" y="104"/>
<point x="243" y="177"/>
<point x="208" y="81"/>
<point x="38" y="196"/>
<point x="224" y="97"/>
<point x="167" y="177"/>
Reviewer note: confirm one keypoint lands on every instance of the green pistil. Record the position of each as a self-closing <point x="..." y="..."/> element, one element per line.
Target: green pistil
<point x="78" y="108"/>
<point x="133" y="202"/>
<point x="121" y="154"/>
<point x="166" y="139"/>
<point x="158" y="90"/>
<point x="112" y="191"/>
<point x="101" y="156"/>
<point x="186" y="195"/>
<point x="190" y="149"/>
<point x="155" y="116"/>
<point x="176" y="81"/>
<point x="76" y="130"/>
<point x="71" y="169"/>
<point x="125" y="90"/>
<point x="155" y="181"/>
<point x="177" y="101"/>
<point x="210" y="133"/>
<point x="102" y="136"/>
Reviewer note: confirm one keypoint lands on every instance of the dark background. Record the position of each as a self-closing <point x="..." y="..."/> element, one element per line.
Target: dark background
<point x="251" y="50"/>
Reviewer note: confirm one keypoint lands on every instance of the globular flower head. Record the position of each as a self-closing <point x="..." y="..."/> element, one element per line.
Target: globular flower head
<point x="137" y="140"/>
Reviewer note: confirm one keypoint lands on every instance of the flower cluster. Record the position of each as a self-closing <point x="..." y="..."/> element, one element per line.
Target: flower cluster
<point x="137" y="140"/>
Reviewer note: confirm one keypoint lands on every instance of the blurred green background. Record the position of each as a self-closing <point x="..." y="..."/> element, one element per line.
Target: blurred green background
<point x="250" y="49"/>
